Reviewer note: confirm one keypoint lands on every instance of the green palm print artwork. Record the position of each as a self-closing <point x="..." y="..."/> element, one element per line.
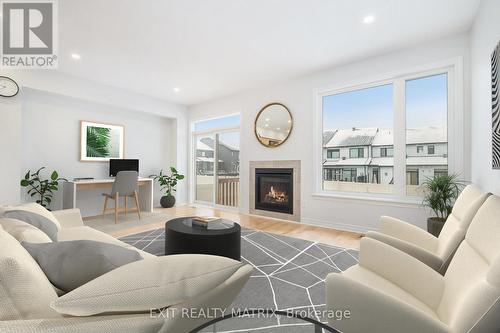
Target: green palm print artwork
<point x="98" y="140"/>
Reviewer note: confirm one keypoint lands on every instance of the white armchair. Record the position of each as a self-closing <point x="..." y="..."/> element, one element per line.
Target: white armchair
<point x="391" y="291"/>
<point x="436" y="252"/>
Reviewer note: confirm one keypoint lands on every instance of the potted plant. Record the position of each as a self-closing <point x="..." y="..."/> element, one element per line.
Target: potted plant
<point x="168" y="182"/>
<point x="41" y="188"/>
<point x="440" y="194"/>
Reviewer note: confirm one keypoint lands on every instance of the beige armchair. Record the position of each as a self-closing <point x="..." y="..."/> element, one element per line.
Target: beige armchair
<point x="436" y="252"/>
<point x="391" y="291"/>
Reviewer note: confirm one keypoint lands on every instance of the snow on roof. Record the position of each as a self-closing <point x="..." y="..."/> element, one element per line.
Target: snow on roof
<point x="383" y="137"/>
<point x="426" y="135"/>
<point x="327" y="136"/>
<point x="202" y="146"/>
<point x="352" y="137"/>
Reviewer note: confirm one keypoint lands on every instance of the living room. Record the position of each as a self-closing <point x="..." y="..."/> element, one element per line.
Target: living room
<point x="325" y="164"/>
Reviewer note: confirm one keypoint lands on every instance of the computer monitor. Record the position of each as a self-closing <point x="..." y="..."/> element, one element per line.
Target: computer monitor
<point x="117" y="165"/>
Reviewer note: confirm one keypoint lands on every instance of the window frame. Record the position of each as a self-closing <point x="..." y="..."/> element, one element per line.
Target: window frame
<point x="457" y="154"/>
<point x="329" y="150"/>
<point x="358" y="149"/>
<point x="429" y="150"/>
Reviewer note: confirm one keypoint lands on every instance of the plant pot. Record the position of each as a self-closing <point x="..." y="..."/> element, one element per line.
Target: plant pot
<point x="167" y="201"/>
<point x="434" y="225"/>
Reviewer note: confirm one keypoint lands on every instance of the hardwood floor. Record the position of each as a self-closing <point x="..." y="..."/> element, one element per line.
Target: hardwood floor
<point x="298" y="230"/>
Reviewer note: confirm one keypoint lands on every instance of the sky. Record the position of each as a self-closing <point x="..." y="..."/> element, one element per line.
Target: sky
<point x="230" y="138"/>
<point x="426" y="105"/>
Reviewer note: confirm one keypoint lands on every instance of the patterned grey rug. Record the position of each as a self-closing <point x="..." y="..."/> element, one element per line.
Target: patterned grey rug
<point x="289" y="274"/>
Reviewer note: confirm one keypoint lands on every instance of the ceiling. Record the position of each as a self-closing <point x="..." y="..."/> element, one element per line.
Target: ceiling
<point x="212" y="48"/>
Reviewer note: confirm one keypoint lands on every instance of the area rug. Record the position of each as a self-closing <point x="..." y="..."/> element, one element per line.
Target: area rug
<point x="288" y="274"/>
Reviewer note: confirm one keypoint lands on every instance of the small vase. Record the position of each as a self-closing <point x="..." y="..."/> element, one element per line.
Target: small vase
<point x="167" y="201"/>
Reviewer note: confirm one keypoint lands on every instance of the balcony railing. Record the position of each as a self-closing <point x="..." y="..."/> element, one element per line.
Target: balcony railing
<point x="228" y="191"/>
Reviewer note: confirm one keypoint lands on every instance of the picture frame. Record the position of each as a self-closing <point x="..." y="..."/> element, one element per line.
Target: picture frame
<point x="100" y="142"/>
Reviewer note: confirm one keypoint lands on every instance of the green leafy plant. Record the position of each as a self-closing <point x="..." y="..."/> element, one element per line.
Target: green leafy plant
<point x="168" y="182"/>
<point x="440" y="194"/>
<point x="98" y="141"/>
<point x="42" y="188"/>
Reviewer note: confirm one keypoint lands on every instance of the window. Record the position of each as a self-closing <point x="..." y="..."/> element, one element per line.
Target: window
<point x="356" y="152"/>
<point x="356" y="123"/>
<point x="333" y="153"/>
<point x="386" y="152"/>
<point x="216" y="161"/>
<point x="426" y="124"/>
<point x="392" y="135"/>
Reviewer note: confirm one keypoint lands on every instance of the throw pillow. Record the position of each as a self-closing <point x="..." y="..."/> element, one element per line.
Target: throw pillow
<point x="37" y="216"/>
<point x="71" y="264"/>
<point x="153" y="283"/>
<point x="25" y="291"/>
<point x="23" y="231"/>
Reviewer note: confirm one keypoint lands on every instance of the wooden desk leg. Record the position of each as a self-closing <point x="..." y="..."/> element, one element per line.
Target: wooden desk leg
<point x="137" y="204"/>
<point x="117" y="198"/>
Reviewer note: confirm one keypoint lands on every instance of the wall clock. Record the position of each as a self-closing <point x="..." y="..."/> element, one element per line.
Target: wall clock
<point x="8" y="87"/>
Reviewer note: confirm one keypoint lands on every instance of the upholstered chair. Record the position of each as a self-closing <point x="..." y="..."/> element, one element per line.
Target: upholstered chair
<point x="436" y="252"/>
<point x="391" y="291"/>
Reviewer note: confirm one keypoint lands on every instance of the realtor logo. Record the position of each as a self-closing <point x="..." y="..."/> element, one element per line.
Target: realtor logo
<point x="29" y="34"/>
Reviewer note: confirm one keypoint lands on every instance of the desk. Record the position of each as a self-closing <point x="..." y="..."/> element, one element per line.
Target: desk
<point x="71" y="189"/>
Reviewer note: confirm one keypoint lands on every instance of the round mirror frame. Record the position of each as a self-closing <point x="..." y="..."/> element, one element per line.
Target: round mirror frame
<point x="257" y="118"/>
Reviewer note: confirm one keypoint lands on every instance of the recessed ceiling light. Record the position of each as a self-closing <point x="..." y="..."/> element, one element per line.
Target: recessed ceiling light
<point x="176" y="90"/>
<point x="277" y="128"/>
<point x="368" y="19"/>
<point x="76" y="56"/>
<point x="267" y="119"/>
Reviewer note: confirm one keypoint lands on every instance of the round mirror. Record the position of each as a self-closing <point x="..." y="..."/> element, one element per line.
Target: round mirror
<point x="273" y="125"/>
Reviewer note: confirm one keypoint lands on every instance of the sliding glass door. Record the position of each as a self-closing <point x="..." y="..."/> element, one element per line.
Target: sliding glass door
<point x="216" y="158"/>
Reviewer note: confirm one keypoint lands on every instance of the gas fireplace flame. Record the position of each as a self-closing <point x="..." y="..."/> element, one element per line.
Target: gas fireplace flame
<point x="278" y="196"/>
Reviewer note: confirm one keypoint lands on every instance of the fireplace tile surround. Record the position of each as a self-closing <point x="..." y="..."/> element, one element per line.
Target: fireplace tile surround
<point x="280" y="165"/>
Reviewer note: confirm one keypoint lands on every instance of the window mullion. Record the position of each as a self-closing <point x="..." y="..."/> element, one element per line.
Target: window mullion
<point x="399" y="138"/>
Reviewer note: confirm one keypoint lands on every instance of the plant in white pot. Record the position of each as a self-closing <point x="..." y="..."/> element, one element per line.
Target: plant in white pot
<point x="168" y="183"/>
<point x="440" y="194"/>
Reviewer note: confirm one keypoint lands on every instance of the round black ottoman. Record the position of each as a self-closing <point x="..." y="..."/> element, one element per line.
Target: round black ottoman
<point x="222" y="238"/>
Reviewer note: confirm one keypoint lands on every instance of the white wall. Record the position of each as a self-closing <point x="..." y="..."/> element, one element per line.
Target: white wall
<point x="60" y="101"/>
<point x="10" y="150"/>
<point x="51" y="138"/>
<point x="485" y="35"/>
<point x="298" y="95"/>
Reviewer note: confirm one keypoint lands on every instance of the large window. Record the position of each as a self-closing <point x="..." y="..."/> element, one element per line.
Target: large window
<point x="216" y="158"/>
<point x="358" y="124"/>
<point x="426" y="130"/>
<point x="388" y="138"/>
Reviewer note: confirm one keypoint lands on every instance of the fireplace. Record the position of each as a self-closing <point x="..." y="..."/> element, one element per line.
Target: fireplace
<point x="274" y="189"/>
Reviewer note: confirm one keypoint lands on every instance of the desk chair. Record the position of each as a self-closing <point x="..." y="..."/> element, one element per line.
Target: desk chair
<point x="125" y="185"/>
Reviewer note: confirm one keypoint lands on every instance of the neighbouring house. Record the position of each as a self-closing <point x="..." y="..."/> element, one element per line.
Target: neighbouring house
<point x="366" y="155"/>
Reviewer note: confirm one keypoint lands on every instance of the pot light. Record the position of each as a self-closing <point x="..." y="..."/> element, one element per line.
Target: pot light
<point x="368" y="19"/>
<point x="277" y="128"/>
<point x="75" y="56"/>
<point x="176" y="89"/>
<point x="267" y="119"/>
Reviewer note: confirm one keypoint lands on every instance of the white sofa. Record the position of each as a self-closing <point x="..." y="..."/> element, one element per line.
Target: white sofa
<point x="391" y="291"/>
<point x="436" y="252"/>
<point x="72" y="228"/>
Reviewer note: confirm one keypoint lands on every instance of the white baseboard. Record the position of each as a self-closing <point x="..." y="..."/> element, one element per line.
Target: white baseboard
<point x="337" y="226"/>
